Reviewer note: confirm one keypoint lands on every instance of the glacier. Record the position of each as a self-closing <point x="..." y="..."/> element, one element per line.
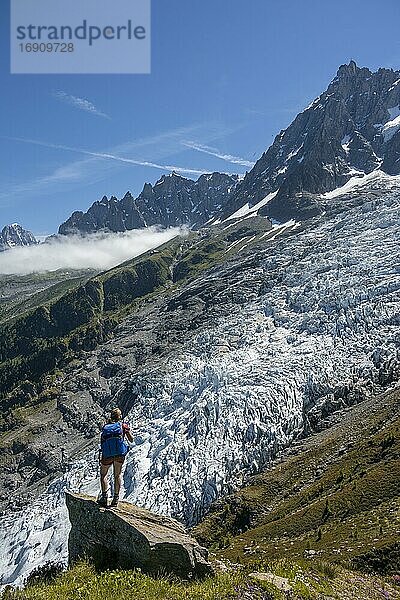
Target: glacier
<point x="316" y="329"/>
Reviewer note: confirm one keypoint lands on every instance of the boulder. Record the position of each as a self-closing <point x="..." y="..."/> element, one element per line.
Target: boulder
<point x="131" y="537"/>
<point x="279" y="582"/>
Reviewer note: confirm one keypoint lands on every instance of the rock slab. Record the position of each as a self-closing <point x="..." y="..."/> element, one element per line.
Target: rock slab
<point x="131" y="537"/>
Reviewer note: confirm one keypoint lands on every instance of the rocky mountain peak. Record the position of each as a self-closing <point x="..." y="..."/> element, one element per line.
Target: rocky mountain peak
<point x="147" y="189"/>
<point x="350" y="129"/>
<point x="127" y="198"/>
<point x="173" y="180"/>
<point x="15" y="235"/>
<point x="348" y="70"/>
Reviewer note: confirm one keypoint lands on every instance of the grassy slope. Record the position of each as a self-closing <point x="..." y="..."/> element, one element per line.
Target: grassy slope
<point x="335" y="495"/>
<point x="319" y="581"/>
<point x="22" y="293"/>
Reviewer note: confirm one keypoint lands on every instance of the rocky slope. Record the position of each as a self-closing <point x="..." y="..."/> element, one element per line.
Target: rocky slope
<point x="351" y="128"/>
<point x="172" y="201"/>
<point x="238" y="354"/>
<point x="14" y="235"/>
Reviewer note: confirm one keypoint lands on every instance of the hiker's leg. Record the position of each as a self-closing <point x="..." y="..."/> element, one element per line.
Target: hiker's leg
<point x="104" y="479"/>
<point x="117" y="477"/>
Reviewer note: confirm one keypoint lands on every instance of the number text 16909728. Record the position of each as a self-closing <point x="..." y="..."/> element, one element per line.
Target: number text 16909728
<point x="46" y="47"/>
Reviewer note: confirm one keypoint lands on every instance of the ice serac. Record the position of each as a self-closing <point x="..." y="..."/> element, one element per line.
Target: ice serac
<point x="172" y="201"/>
<point x="13" y="236"/>
<point x="132" y="537"/>
<point x="350" y="129"/>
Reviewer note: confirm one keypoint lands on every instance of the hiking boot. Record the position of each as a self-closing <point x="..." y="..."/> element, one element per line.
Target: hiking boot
<point x="103" y="501"/>
<point x="114" y="501"/>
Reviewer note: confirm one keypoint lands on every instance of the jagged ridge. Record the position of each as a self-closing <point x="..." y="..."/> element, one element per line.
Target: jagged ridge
<point x="172" y="201"/>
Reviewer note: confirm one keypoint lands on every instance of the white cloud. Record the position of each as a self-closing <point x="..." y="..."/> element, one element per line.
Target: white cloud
<point x="95" y="251"/>
<point x="236" y="160"/>
<point x="80" y="103"/>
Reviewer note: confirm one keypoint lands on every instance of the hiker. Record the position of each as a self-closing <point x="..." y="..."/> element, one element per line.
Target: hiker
<point x="113" y="450"/>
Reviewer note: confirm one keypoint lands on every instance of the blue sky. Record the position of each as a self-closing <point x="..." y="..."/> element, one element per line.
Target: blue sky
<point x="226" y="76"/>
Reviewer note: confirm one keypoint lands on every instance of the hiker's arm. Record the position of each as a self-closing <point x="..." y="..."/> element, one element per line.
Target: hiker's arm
<point x="127" y="432"/>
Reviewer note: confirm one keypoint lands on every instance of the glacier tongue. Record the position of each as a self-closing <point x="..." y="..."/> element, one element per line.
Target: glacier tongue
<point x="322" y="332"/>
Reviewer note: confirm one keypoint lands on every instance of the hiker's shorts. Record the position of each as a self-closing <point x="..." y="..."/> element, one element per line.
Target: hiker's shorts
<point x="109" y="461"/>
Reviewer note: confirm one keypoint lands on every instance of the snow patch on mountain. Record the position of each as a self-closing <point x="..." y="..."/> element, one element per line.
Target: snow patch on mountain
<point x="294" y="153"/>
<point x="279" y="228"/>
<point x="394" y="85"/>
<point x="377" y="177"/>
<point x="345" y="143"/>
<point x="247" y="210"/>
<point x="391" y="127"/>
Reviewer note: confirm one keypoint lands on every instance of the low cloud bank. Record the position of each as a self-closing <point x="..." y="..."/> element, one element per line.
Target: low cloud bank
<point x="95" y="251"/>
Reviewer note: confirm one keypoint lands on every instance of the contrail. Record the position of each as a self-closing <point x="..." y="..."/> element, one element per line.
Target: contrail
<point x="236" y="160"/>
<point x="107" y="156"/>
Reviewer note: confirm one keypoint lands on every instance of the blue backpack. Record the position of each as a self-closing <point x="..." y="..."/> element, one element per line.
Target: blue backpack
<point x="112" y="441"/>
